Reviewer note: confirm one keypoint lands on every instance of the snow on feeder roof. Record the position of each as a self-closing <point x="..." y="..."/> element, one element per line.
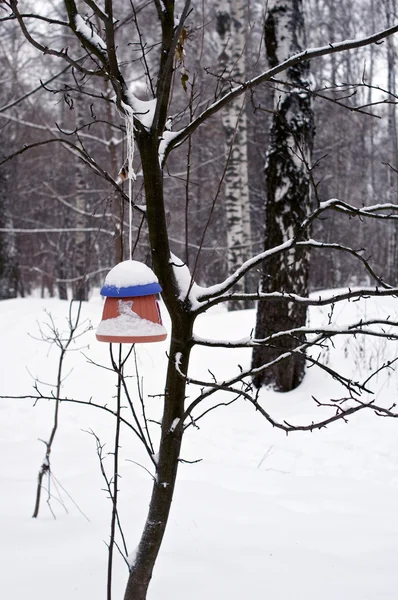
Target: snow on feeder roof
<point x="130" y="278"/>
<point x="131" y="311"/>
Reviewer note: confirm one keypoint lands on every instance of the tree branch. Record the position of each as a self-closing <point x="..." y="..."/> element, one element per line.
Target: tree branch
<point x="45" y="49"/>
<point x="307" y="54"/>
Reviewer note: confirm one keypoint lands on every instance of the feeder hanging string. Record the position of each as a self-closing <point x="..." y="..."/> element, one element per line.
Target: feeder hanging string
<point x="129" y="120"/>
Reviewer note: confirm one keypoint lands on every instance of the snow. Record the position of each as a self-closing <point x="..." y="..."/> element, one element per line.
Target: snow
<point x="132" y="558"/>
<point x="128" y="323"/>
<point x="144" y="110"/>
<point x="188" y="288"/>
<point x="306" y="516"/>
<point x="129" y="273"/>
<point x="89" y="34"/>
<point x="167" y="137"/>
<point x="174" y="425"/>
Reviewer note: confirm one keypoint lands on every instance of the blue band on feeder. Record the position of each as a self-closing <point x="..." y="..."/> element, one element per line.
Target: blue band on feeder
<point x="133" y="290"/>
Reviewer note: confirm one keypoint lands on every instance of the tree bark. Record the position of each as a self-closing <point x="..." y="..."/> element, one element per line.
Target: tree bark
<point x="80" y="287"/>
<point x="287" y="198"/>
<point x="392" y="247"/>
<point x="166" y="472"/>
<point x="181" y="336"/>
<point x="180" y="347"/>
<point x="231" y="30"/>
<point x="8" y="251"/>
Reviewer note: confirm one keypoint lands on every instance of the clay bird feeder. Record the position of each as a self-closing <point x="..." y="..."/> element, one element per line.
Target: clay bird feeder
<point x="131" y="312"/>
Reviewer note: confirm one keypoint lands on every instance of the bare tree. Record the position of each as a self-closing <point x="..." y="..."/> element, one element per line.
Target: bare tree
<point x="51" y="335"/>
<point x="105" y="57"/>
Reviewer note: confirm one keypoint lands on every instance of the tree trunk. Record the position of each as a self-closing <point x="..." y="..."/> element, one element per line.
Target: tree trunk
<point x="166" y="472"/>
<point x="288" y="199"/>
<point x="171" y="431"/>
<point x="231" y="30"/>
<point x="62" y="268"/>
<point x="8" y="252"/>
<point x="80" y="287"/>
<point x="390" y="7"/>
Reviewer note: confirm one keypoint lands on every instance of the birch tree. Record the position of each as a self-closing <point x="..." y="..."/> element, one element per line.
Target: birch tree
<point x="231" y="28"/>
<point x="81" y="253"/>
<point x="288" y="201"/>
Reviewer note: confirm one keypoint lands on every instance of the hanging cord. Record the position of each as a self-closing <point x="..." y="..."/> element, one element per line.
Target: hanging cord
<point x="129" y="120"/>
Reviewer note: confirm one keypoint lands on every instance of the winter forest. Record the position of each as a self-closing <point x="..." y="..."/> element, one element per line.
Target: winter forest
<point x="242" y="159"/>
<point x="64" y="219"/>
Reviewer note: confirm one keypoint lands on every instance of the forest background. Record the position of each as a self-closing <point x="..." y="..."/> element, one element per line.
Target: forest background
<point x="60" y="222"/>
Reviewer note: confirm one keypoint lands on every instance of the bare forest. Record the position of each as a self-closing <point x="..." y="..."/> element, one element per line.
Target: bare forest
<point x="247" y="153"/>
<point x="64" y="219"/>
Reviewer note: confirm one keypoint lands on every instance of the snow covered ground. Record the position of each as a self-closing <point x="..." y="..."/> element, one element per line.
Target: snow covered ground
<point x="264" y="515"/>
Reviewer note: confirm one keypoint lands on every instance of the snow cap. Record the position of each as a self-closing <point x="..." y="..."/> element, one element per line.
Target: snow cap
<point x="130" y="278"/>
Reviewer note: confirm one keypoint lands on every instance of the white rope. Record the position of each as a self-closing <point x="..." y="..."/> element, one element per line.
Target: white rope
<point x="129" y="120"/>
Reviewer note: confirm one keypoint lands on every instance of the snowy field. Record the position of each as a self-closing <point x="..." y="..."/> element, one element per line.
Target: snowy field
<point x="309" y="516"/>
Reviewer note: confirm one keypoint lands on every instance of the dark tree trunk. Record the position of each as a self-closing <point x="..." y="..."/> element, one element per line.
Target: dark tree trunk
<point x="180" y="346"/>
<point x="61" y="271"/>
<point x="166" y="472"/>
<point x="81" y="258"/>
<point x="392" y="254"/>
<point x="181" y="336"/>
<point x="8" y="253"/>
<point x="288" y="200"/>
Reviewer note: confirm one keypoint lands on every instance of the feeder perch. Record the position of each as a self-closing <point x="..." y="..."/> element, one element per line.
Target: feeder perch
<point x="131" y="312"/>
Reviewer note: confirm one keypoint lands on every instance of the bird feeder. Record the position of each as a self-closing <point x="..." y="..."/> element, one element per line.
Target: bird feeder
<point x="131" y="311"/>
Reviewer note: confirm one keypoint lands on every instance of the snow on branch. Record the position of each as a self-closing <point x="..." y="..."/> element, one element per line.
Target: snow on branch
<point x="216" y="290"/>
<point x="165" y="140"/>
<point x="364" y="292"/>
<point x="143" y="110"/>
<point x="334" y="246"/>
<point x="375" y="212"/>
<point x="245" y="392"/>
<point x="382" y="328"/>
<point x="187" y="288"/>
<point x="366" y="211"/>
<point x="77" y="64"/>
<point x="86" y="30"/>
<point x="323" y="332"/>
<point x="210" y="387"/>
